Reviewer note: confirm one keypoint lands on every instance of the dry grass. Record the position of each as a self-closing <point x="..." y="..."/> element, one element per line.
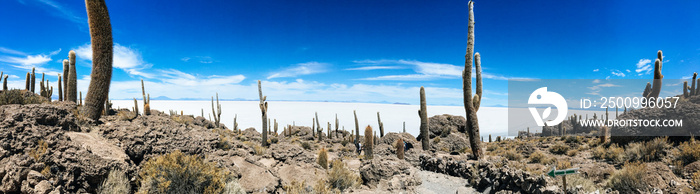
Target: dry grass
<point x="629" y="178"/>
<point x="576" y="180"/>
<point x="688" y="152"/>
<point x="563" y="164"/>
<point x="695" y="180"/>
<point x="259" y="150"/>
<point x="653" y="150"/>
<point x="19" y="97"/>
<point x="512" y="155"/>
<point x="116" y="183"/>
<point x="323" y="158"/>
<point x="180" y="173"/>
<point x="539" y="157"/>
<point x="342" y="178"/>
<point x="559" y="148"/>
<point x="38" y="152"/>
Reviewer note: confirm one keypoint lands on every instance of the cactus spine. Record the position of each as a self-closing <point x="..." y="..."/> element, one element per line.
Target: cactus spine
<point x="263" y="109"/>
<point x="423" y="113"/>
<point x="101" y="76"/>
<point x="217" y="112"/>
<point x="147" y="101"/>
<point x="656" y="87"/>
<point x="471" y="105"/>
<point x="369" y="143"/>
<point x="60" y="90"/>
<point x="381" y="125"/>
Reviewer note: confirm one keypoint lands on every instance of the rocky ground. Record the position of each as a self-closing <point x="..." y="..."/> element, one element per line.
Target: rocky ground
<point x="52" y="148"/>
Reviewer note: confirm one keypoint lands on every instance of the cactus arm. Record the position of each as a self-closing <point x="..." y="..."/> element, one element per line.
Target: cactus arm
<point x="477" y="97"/>
<point x="658" y="77"/>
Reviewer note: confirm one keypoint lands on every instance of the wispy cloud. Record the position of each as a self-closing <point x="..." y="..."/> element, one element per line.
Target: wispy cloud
<point x="125" y="58"/>
<point x="595" y="90"/>
<point x="22" y="60"/>
<point x="426" y="71"/>
<point x="301" y="69"/>
<point x="200" y="59"/>
<point x="60" y="11"/>
<point x="374" y="67"/>
<point x="596" y="70"/>
<point x="617" y="73"/>
<point x="643" y="67"/>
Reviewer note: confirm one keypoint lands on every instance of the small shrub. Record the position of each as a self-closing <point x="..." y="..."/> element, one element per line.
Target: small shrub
<point x="563" y="164"/>
<point x="436" y="140"/>
<point x="321" y="187"/>
<point x="572" y="139"/>
<point x="180" y="173"/>
<point x="342" y="178"/>
<point x="125" y="115"/>
<point x="297" y="188"/>
<point x="598" y="152"/>
<point x="695" y="180"/>
<point x="614" y="153"/>
<point x="183" y="119"/>
<point x="587" y="185"/>
<point x="344" y="142"/>
<point x="572" y="153"/>
<point x="369" y="143"/>
<point x="306" y="145"/>
<point x="20" y="97"/>
<point x="46" y="171"/>
<point x="650" y="151"/>
<point x="259" y="150"/>
<point x="116" y="183"/>
<point x="512" y="155"/>
<point x="688" y="152"/>
<point x="559" y="148"/>
<point x="629" y="178"/>
<point x="323" y="158"/>
<point x="539" y="157"/>
<point x="233" y="187"/>
<point x="274" y="140"/>
<point x="39" y="151"/>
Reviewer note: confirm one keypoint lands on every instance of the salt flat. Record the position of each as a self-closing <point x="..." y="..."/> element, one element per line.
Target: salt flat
<point x="492" y="120"/>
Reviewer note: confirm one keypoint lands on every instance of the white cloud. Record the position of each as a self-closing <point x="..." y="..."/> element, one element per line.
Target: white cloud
<point x="61" y="11"/>
<point x="27" y="62"/>
<point x="643" y="67"/>
<point x="185" y="59"/>
<point x="124" y="58"/>
<point x="11" y="51"/>
<point x="427" y="71"/>
<point x="301" y="69"/>
<point x="596" y="70"/>
<point x="617" y="73"/>
<point x="374" y="67"/>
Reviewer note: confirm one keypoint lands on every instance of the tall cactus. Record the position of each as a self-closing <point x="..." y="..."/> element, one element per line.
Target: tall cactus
<point x="471" y="105"/>
<point x="235" y="123"/>
<point x="60" y="90"/>
<point x="66" y="67"/>
<point x="423" y="113"/>
<point x="33" y="88"/>
<point x="147" y="101"/>
<point x="263" y="109"/>
<point x="693" y="90"/>
<point x="136" y="109"/>
<point x="217" y="112"/>
<point x="647" y="90"/>
<point x="399" y="149"/>
<point x="381" y="125"/>
<point x="369" y="143"/>
<point x="101" y="76"/>
<point x="357" y="133"/>
<point x="313" y="127"/>
<point x="72" y="88"/>
<point x="329" y="131"/>
<point x="26" y="82"/>
<point x="319" y="129"/>
<point x="275" y="128"/>
<point x="4" y="83"/>
<point x="336" y="125"/>
<point x="656" y="87"/>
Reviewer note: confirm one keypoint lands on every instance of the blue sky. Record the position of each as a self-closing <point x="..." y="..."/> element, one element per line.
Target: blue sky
<point x="365" y="51"/>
